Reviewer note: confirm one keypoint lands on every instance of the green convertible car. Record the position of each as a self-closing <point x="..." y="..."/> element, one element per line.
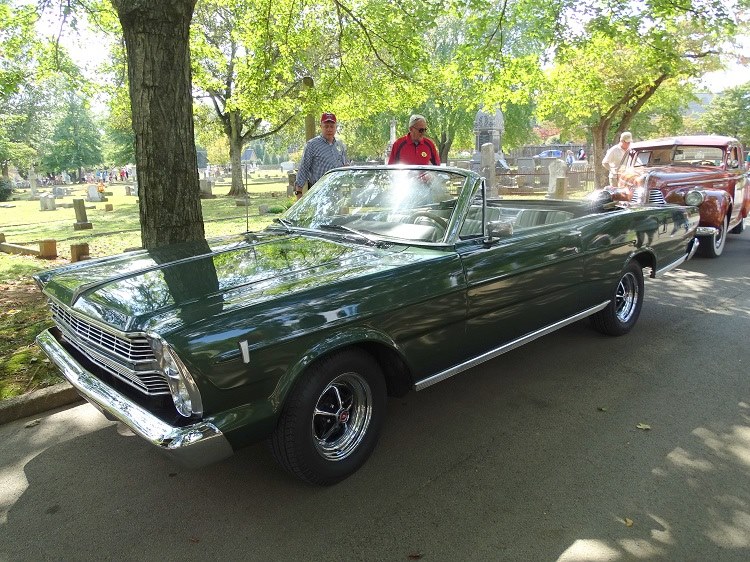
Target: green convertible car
<point x="378" y="281"/>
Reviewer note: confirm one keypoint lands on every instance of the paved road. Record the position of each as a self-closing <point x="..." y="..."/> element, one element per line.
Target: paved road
<point x="534" y="456"/>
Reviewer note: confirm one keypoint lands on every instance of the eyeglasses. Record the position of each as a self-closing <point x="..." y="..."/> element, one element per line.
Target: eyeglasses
<point x="422" y="130"/>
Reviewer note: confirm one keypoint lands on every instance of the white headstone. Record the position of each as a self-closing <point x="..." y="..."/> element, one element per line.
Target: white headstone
<point x="92" y="193"/>
<point x="557" y="169"/>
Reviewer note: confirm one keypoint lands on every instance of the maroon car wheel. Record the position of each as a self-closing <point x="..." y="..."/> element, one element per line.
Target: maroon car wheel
<point x="713" y="247"/>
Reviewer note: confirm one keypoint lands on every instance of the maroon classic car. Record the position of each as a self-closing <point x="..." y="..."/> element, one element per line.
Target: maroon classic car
<point x="701" y="170"/>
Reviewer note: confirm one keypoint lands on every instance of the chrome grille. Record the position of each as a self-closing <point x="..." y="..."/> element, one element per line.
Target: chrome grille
<point x="130" y="359"/>
<point x="655" y="197"/>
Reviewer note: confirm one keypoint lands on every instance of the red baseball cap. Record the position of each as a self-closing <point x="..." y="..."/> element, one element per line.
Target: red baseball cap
<point x="327" y="117"/>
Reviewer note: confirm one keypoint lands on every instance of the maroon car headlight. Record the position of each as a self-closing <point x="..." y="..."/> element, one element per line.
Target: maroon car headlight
<point x="185" y="393"/>
<point x="694" y="197"/>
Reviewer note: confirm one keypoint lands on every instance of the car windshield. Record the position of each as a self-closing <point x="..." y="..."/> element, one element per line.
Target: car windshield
<point x="413" y="204"/>
<point x="680" y="155"/>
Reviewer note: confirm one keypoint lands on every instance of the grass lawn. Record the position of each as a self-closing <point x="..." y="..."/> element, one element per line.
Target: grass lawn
<point x="23" y="366"/>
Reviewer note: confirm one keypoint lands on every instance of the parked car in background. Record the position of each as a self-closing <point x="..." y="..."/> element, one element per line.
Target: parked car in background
<point x="702" y="170"/>
<point x="378" y="281"/>
<point x="549" y="154"/>
<point x="286" y="166"/>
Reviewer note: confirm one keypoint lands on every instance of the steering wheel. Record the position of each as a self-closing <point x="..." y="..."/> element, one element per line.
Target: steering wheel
<point x="439" y="223"/>
<point x="433" y="217"/>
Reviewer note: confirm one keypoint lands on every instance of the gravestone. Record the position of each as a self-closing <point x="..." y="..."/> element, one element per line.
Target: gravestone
<point x="206" y="187"/>
<point x="526" y="171"/>
<point x="557" y="169"/>
<point x="82" y="221"/>
<point x="32" y="182"/>
<point x="487" y="167"/>
<point x="92" y="194"/>
<point x="47" y="202"/>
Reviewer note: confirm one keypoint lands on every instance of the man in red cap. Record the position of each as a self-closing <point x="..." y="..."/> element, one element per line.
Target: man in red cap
<point x="414" y="147"/>
<point x="321" y="154"/>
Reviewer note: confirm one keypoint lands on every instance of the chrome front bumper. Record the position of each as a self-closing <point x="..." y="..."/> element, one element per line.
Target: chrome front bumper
<point x="194" y="445"/>
<point x="707" y="231"/>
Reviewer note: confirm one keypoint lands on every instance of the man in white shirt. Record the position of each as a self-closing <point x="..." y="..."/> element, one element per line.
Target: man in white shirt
<point x="614" y="156"/>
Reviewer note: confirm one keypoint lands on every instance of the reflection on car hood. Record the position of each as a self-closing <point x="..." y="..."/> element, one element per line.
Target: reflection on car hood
<point x="673" y="173"/>
<point x="172" y="287"/>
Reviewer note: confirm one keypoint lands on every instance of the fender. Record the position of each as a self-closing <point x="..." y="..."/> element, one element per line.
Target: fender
<point x="338" y="340"/>
<point x="714" y="208"/>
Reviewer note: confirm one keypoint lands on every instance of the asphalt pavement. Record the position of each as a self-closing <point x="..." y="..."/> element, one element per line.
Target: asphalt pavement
<point x="576" y="447"/>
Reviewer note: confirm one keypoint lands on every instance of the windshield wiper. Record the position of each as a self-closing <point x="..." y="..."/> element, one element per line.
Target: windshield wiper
<point x="357" y="233"/>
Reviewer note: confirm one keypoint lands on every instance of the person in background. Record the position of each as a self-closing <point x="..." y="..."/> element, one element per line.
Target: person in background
<point x="414" y="147"/>
<point x="581" y="154"/>
<point x="569" y="158"/>
<point x="321" y="154"/>
<point x="613" y="158"/>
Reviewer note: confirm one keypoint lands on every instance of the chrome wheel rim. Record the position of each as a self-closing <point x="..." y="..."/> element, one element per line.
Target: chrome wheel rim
<point x="341" y="417"/>
<point x="626" y="297"/>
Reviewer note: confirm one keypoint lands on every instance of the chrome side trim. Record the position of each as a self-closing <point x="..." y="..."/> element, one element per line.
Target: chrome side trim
<point x="690" y="253"/>
<point x="194" y="445"/>
<point x="438" y="377"/>
<point x="707" y="231"/>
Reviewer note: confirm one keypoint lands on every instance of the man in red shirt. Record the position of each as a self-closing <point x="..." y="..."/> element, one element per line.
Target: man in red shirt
<point x="414" y="147"/>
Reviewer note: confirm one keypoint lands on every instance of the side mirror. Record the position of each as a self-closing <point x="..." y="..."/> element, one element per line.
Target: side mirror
<point x="498" y="229"/>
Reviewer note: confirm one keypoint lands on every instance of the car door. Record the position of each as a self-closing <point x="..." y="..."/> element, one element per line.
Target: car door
<point x="739" y="177"/>
<point x="520" y="283"/>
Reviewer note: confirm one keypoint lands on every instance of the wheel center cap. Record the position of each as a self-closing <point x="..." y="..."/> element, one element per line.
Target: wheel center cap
<point x="343" y="416"/>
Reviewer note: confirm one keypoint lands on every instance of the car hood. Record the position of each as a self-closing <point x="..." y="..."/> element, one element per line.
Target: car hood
<point x="169" y="288"/>
<point x="669" y="176"/>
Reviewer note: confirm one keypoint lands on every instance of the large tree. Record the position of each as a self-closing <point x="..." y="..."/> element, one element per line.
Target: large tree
<point x="159" y="77"/>
<point x="76" y="141"/>
<point x="729" y="113"/>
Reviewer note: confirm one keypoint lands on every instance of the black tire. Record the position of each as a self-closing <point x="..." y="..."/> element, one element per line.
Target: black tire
<point x="739" y="228"/>
<point x="332" y="418"/>
<point x="622" y="312"/>
<point x="713" y="246"/>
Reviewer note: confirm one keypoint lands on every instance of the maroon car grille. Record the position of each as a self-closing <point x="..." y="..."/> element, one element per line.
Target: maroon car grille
<point x="130" y="359"/>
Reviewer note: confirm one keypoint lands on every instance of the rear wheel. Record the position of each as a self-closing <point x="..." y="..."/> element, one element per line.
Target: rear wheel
<point x="623" y="310"/>
<point x="332" y="419"/>
<point x="714" y="246"/>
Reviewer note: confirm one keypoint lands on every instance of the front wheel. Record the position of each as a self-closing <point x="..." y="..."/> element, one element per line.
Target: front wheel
<point x="714" y="246"/>
<point x="740" y="228"/>
<point x="623" y="310"/>
<point x="332" y="419"/>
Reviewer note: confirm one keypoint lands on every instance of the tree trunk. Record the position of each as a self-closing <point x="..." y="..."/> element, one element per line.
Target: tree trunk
<point x="158" y="54"/>
<point x="599" y="148"/>
<point x="235" y="153"/>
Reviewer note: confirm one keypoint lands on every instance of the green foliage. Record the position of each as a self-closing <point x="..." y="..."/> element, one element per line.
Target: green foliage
<point x="76" y="143"/>
<point x="6" y="189"/>
<point x="729" y="113"/>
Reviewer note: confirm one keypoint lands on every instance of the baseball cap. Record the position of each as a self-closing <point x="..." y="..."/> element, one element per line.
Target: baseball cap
<point x="327" y="117"/>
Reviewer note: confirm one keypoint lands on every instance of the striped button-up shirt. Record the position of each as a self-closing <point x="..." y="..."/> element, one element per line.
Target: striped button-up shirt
<point x="319" y="157"/>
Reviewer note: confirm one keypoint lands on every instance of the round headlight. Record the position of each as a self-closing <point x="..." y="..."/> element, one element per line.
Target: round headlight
<point x="694" y="198"/>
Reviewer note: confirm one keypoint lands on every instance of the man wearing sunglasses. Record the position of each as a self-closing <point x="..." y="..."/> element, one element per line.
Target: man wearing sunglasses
<point x="414" y="147"/>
